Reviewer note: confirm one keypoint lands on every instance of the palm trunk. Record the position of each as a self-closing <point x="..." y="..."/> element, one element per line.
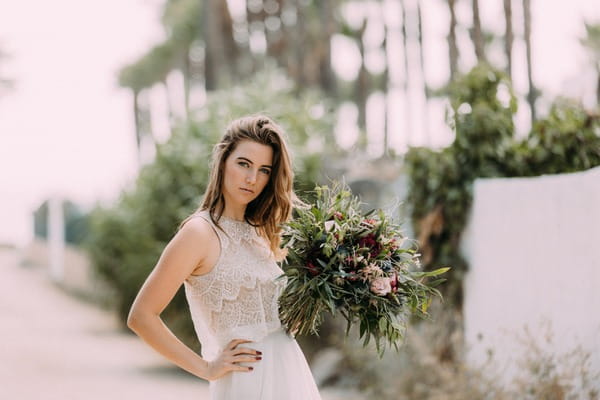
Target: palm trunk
<point x="407" y="103"/>
<point x="299" y="43"/>
<point x="326" y="76"/>
<point x="214" y="55"/>
<point x="276" y="39"/>
<point x="508" y="36"/>
<point x="230" y="48"/>
<point x="422" y="65"/>
<point x="477" y="34"/>
<point x="136" y="121"/>
<point x="532" y="94"/>
<point x="362" y="91"/>
<point x="452" y="46"/>
<point x="385" y="84"/>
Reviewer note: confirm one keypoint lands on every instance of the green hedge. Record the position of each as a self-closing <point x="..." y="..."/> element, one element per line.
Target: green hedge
<point x="482" y="110"/>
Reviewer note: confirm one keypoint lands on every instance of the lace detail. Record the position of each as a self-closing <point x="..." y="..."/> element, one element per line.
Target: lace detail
<point x="238" y="297"/>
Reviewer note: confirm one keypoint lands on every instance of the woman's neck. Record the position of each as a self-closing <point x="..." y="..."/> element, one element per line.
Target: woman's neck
<point x="237" y="214"/>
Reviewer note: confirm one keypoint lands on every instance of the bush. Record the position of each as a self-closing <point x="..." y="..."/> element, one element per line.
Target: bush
<point x="441" y="182"/>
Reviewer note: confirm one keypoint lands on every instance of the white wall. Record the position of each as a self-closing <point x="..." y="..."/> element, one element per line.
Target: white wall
<point x="533" y="245"/>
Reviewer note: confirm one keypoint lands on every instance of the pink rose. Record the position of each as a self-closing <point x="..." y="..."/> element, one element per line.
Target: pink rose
<point x="381" y="286"/>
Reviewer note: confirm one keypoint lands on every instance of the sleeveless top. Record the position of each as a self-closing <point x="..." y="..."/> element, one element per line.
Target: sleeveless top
<point x="238" y="298"/>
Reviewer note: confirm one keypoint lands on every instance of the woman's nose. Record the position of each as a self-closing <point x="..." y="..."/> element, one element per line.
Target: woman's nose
<point x="251" y="177"/>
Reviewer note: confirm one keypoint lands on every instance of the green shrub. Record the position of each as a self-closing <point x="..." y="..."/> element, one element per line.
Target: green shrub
<point x="441" y="182"/>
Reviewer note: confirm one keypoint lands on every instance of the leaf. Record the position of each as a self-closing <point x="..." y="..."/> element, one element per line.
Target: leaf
<point x="438" y="271"/>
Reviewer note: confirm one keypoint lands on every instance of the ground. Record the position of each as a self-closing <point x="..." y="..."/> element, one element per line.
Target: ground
<point x="56" y="346"/>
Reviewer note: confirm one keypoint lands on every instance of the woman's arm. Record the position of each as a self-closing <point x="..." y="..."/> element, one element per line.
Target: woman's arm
<point x="185" y="251"/>
<point x="188" y="249"/>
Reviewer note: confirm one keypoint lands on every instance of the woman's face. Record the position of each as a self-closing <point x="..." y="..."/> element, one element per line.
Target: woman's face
<point x="247" y="172"/>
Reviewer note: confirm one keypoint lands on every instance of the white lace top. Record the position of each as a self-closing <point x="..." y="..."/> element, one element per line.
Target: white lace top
<point x="237" y="299"/>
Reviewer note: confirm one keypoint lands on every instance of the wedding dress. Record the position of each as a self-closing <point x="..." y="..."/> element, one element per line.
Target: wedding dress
<point x="237" y="299"/>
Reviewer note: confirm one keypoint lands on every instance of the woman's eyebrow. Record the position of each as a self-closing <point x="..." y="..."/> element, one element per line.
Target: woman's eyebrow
<point x="250" y="161"/>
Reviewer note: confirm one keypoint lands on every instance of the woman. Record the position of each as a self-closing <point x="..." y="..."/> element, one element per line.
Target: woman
<point x="225" y="255"/>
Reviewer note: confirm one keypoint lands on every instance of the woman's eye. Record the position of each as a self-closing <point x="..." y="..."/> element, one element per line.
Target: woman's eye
<point x="266" y="171"/>
<point x="243" y="163"/>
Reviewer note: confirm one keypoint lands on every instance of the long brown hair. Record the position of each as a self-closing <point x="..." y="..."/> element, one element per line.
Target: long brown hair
<point x="274" y="204"/>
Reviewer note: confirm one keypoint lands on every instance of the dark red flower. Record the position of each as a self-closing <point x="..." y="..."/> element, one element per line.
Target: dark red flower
<point x="338" y="215"/>
<point x="371" y="243"/>
<point x="367" y="241"/>
<point x="394" y="282"/>
<point x="312" y="269"/>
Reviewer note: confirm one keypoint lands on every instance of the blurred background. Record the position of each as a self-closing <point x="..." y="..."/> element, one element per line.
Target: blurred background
<point x="475" y="122"/>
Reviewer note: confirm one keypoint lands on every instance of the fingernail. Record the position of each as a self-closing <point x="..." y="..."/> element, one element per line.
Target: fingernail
<point x="251" y="368"/>
<point x="259" y="353"/>
<point x="259" y="358"/>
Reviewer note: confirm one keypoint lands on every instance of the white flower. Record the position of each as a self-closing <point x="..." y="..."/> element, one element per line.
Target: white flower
<point x="329" y="225"/>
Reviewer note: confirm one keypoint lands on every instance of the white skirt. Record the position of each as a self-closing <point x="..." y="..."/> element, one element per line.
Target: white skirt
<point x="282" y="374"/>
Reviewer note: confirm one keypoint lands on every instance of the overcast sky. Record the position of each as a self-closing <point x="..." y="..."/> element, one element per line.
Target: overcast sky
<point x="67" y="129"/>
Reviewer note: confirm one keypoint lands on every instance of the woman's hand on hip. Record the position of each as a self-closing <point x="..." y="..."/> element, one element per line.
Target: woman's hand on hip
<point x="229" y="359"/>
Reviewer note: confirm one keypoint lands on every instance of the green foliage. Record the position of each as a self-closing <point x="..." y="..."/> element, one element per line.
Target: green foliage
<point x="567" y="140"/>
<point x="127" y="238"/>
<point x="483" y="105"/>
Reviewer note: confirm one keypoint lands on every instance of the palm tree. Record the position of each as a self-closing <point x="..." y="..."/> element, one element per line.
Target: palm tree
<point x="385" y="80"/>
<point x="328" y="26"/>
<point x="362" y="85"/>
<point x="452" y="46"/>
<point x="532" y="94"/>
<point x="181" y="19"/>
<point x="476" y="33"/>
<point x="592" y="44"/>
<point x="215" y="16"/>
<point x="508" y="36"/>
<point x="407" y="103"/>
<point x="422" y="65"/>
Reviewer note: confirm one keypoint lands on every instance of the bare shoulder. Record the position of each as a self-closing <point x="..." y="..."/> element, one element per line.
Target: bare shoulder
<point x="197" y="225"/>
<point x="198" y="239"/>
<point x="197" y="231"/>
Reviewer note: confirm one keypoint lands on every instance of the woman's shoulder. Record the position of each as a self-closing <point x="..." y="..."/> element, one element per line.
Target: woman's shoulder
<point x="198" y="225"/>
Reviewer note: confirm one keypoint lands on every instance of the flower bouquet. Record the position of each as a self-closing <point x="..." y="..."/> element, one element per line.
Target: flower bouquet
<point x="341" y="260"/>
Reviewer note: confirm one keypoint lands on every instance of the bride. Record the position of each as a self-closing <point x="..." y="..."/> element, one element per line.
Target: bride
<point x="225" y="255"/>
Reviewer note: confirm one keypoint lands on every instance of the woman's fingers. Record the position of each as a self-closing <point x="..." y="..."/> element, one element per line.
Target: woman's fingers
<point x="246" y="358"/>
<point x="242" y="368"/>
<point x="245" y="350"/>
<point x="236" y="342"/>
<point x="241" y="355"/>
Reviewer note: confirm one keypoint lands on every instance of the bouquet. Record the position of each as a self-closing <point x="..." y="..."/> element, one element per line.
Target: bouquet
<point x="342" y="260"/>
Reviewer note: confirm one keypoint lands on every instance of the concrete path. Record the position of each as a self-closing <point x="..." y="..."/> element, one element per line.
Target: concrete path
<point x="54" y="346"/>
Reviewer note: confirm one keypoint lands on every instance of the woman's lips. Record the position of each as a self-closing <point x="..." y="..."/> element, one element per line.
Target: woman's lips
<point x="249" y="191"/>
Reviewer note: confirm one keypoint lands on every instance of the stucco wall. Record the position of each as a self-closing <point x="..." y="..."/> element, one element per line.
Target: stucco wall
<point x="533" y="245"/>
